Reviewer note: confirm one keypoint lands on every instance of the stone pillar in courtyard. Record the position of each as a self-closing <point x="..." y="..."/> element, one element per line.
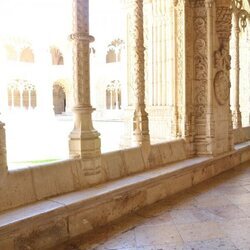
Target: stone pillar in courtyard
<point x="239" y="17"/>
<point x="84" y="140"/>
<point x="3" y="155"/>
<point x="223" y="131"/>
<point x="211" y="24"/>
<point x="140" y="120"/>
<point x="236" y="80"/>
<point x="210" y="122"/>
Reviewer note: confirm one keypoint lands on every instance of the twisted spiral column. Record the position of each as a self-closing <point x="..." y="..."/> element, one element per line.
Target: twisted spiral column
<point x="236" y="110"/>
<point x="140" y="120"/>
<point x="84" y="140"/>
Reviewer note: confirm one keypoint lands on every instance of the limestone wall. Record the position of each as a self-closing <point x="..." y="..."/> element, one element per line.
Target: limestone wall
<point x="40" y="182"/>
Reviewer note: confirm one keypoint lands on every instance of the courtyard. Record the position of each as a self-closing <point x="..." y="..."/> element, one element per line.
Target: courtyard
<point x="46" y="137"/>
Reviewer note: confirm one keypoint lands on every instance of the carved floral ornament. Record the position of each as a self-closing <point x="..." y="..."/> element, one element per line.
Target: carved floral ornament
<point x="222" y="61"/>
<point x="242" y="14"/>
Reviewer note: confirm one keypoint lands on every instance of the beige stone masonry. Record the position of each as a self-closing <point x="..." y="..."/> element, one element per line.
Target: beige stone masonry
<point x="58" y="219"/>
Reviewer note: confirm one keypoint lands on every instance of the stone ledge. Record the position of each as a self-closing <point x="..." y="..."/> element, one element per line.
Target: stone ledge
<point x="32" y="184"/>
<point x="76" y="213"/>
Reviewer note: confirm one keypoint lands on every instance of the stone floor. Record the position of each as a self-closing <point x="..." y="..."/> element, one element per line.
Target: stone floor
<point x="212" y="215"/>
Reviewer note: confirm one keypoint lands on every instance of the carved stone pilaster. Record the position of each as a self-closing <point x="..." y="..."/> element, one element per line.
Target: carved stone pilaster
<point x="178" y="123"/>
<point x="236" y="108"/>
<point x="140" y="120"/>
<point x="200" y="85"/>
<point x="222" y="61"/>
<point x="210" y="122"/>
<point x="3" y="156"/>
<point x="84" y="139"/>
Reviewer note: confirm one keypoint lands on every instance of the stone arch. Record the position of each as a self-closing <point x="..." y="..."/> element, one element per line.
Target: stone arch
<point x="59" y="98"/>
<point x="27" y="55"/>
<point x="111" y="56"/>
<point x="114" y="51"/>
<point x="113" y="95"/>
<point x="56" y="56"/>
<point x="22" y="94"/>
<point x="11" y="53"/>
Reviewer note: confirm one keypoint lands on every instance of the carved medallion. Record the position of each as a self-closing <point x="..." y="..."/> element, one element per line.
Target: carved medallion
<point x="221" y="87"/>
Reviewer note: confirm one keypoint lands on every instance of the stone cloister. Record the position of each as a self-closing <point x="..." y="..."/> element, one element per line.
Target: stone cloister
<point x="184" y="77"/>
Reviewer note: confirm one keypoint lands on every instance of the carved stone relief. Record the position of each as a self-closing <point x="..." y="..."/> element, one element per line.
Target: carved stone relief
<point x="221" y="87"/>
<point x="222" y="58"/>
<point x="200" y="59"/>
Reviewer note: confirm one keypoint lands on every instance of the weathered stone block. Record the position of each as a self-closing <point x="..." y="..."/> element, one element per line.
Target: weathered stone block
<point x="53" y="179"/>
<point x="178" y="150"/>
<point x="179" y="183"/>
<point x="133" y="160"/>
<point x="202" y="173"/>
<point x="88" y="172"/>
<point x="43" y="236"/>
<point x="155" y="159"/>
<point x="113" y="164"/>
<point x="166" y="152"/>
<point x="156" y="193"/>
<point x="7" y="244"/>
<point x="17" y="189"/>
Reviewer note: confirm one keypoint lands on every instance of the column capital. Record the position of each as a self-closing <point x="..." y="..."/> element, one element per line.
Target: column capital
<point x="81" y="37"/>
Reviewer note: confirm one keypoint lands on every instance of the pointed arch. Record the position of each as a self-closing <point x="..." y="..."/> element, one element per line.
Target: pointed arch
<point x="56" y="56"/>
<point x="27" y="55"/>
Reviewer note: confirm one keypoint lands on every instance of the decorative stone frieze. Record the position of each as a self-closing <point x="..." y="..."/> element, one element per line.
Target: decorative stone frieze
<point x="223" y="22"/>
<point x="200" y="60"/>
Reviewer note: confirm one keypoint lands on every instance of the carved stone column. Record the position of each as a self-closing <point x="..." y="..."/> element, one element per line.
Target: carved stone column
<point x="174" y="123"/>
<point x="209" y="115"/>
<point x="140" y="120"/>
<point x="3" y="156"/>
<point x="236" y="109"/>
<point x="179" y="68"/>
<point x="222" y="59"/>
<point x="84" y="139"/>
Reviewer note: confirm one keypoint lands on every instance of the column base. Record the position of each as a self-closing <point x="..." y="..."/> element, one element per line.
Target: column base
<point x="237" y="119"/>
<point x="140" y="127"/>
<point x="84" y="142"/>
